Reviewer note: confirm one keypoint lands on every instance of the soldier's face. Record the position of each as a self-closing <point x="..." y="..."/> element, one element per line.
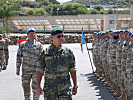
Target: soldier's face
<point x="31" y="36"/>
<point x="4" y="36"/>
<point x="58" y="38"/>
<point x="0" y="37"/>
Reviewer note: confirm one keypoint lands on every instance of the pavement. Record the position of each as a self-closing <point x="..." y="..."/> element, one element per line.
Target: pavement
<point x="90" y="87"/>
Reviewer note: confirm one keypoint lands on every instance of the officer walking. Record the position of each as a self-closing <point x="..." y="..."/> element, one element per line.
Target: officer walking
<point x="57" y="62"/>
<point x="27" y="55"/>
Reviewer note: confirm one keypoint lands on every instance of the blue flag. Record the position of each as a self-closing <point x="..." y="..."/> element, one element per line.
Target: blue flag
<point x="83" y="38"/>
<point x="82" y="41"/>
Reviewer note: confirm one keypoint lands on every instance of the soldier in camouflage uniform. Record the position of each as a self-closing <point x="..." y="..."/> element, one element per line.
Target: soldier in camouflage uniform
<point x="104" y="58"/>
<point x="109" y="83"/>
<point x="2" y="54"/>
<point x="57" y="62"/>
<point x="123" y="64"/>
<point x="93" y="50"/>
<point x="97" y="55"/>
<point x="129" y="70"/>
<point x="118" y="60"/>
<point x="112" y="61"/>
<point x="27" y="55"/>
<point x="6" y="50"/>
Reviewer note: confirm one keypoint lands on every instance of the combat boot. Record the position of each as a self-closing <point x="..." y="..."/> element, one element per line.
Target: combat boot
<point x="128" y="97"/>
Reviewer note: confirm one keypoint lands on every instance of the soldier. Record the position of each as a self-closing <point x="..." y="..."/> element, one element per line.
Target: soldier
<point x="123" y="77"/>
<point x="104" y="58"/>
<point x="27" y="55"/>
<point x="6" y="50"/>
<point x="112" y="61"/>
<point x="129" y="70"/>
<point x="2" y="54"/>
<point x="97" y="55"/>
<point x="118" y="59"/>
<point x="93" y="51"/>
<point x="57" y="61"/>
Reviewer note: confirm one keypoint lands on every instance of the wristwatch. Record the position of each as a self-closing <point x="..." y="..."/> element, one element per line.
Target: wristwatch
<point x="75" y="87"/>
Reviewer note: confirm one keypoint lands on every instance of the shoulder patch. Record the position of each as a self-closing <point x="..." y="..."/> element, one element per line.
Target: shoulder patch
<point x="19" y="50"/>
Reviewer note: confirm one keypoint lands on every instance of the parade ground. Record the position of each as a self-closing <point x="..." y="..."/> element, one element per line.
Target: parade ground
<point x="90" y="87"/>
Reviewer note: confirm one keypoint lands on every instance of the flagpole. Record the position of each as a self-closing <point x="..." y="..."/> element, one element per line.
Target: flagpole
<point x="89" y="58"/>
<point x="84" y="42"/>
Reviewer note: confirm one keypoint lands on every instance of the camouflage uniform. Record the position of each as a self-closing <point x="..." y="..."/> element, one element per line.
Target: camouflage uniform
<point x="2" y="54"/>
<point x="118" y="62"/>
<point x="97" y="49"/>
<point x="112" y="61"/>
<point x="108" y="56"/>
<point x="101" y="54"/>
<point x="30" y="56"/>
<point x="57" y="63"/>
<point x="129" y="70"/>
<point x="93" y="51"/>
<point x="104" y="56"/>
<point x="6" y="51"/>
<point x="123" y="64"/>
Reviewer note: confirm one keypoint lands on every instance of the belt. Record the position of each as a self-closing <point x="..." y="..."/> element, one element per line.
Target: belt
<point x="1" y="49"/>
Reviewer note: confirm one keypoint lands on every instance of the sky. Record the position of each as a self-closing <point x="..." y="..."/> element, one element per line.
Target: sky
<point x="63" y="1"/>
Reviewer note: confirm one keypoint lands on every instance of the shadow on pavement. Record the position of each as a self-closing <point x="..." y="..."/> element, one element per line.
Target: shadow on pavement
<point x="98" y="84"/>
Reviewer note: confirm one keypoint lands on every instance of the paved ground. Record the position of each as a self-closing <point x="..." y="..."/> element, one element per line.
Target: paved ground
<point x="90" y="88"/>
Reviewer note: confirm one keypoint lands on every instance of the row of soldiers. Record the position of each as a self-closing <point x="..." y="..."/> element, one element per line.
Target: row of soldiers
<point x="4" y="53"/>
<point x="113" y="58"/>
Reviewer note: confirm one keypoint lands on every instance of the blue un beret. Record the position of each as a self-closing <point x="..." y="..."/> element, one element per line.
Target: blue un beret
<point x="4" y="34"/>
<point x="1" y="35"/>
<point x="131" y="35"/>
<point x="31" y="30"/>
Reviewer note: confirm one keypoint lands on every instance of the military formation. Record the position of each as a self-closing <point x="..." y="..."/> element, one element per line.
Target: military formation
<point x="113" y="58"/>
<point x="4" y="53"/>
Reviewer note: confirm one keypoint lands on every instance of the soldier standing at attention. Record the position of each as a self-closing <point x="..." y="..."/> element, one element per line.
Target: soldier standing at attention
<point x="58" y="63"/>
<point x="2" y="54"/>
<point x="6" y="51"/>
<point x="123" y="77"/>
<point x="27" y="55"/>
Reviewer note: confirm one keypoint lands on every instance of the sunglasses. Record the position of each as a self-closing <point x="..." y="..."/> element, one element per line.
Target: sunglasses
<point x="59" y="36"/>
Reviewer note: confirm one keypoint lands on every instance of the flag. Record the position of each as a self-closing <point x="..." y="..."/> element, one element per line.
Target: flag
<point x="98" y="31"/>
<point x="19" y="41"/>
<point x="82" y="41"/>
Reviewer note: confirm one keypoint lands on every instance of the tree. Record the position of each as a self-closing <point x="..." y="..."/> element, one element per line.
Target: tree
<point x="7" y="10"/>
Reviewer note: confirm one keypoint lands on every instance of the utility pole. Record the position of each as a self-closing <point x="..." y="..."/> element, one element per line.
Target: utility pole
<point x="116" y="14"/>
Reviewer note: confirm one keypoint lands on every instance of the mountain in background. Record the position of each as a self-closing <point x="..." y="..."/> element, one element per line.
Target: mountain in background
<point x="121" y="3"/>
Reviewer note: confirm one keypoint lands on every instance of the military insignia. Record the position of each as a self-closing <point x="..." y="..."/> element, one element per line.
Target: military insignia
<point x="18" y="50"/>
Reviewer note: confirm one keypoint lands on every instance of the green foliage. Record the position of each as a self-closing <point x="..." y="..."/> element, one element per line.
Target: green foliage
<point x="36" y="12"/>
<point x="121" y="3"/>
<point x="98" y="8"/>
<point x="31" y="4"/>
<point x="8" y="10"/>
<point x="94" y="11"/>
<point x="102" y="11"/>
<point x="110" y="11"/>
<point x="6" y="28"/>
<point x="30" y="12"/>
<point x="69" y="9"/>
